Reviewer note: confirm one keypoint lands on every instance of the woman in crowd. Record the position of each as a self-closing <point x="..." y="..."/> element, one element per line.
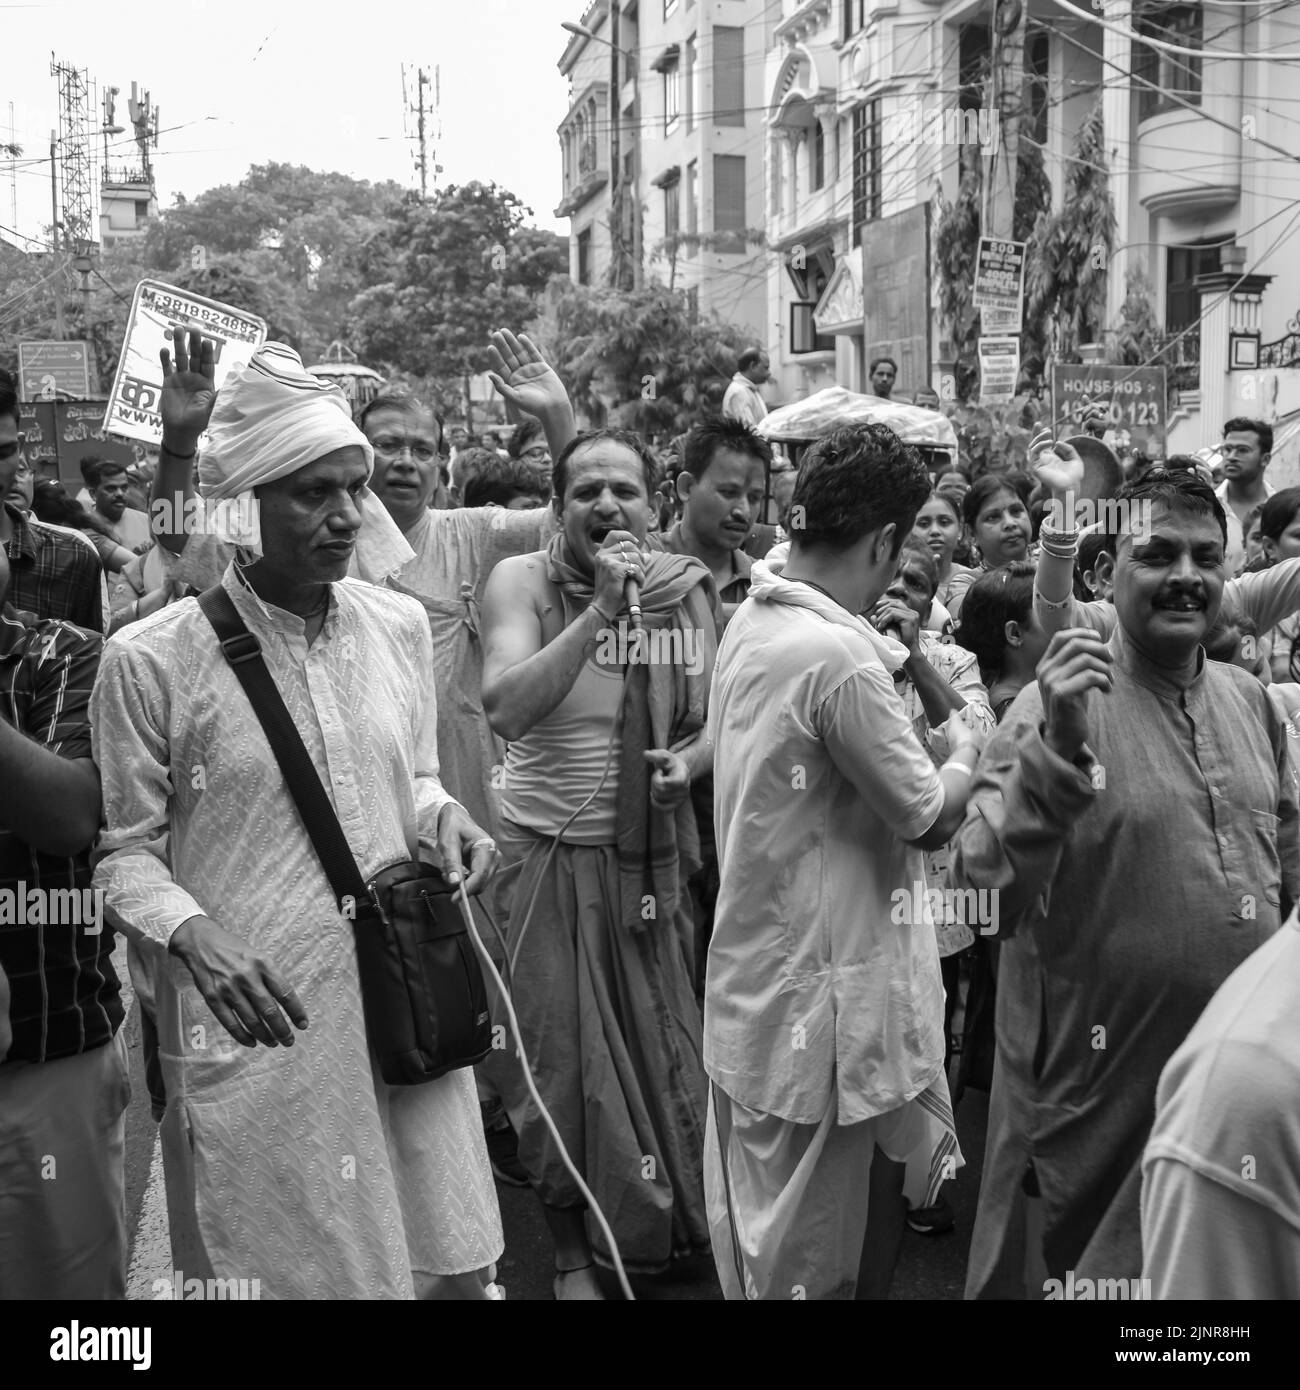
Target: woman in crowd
<point x="938" y="527"/>
<point x="998" y="624"/>
<point x="1279" y="539"/>
<point x="996" y="510"/>
<point x="51" y="503"/>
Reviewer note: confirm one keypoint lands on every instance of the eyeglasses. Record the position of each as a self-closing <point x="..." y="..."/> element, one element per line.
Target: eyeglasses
<point x="393" y="448"/>
<point x="536" y="454"/>
<point x="25" y="470"/>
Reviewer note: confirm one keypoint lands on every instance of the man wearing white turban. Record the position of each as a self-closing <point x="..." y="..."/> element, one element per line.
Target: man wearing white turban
<point x="292" y="1163"/>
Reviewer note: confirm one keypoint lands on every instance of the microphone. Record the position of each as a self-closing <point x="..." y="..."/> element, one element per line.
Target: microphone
<point x="632" y="591"/>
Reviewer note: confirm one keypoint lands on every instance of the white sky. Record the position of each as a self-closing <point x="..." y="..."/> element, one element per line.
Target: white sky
<point x="324" y="91"/>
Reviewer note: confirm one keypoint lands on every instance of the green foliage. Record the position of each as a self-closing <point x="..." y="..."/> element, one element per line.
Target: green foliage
<point x="443" y="275"/>
<point x="1135" y="340"/>
<point x="1070" y="250"/>
<point x="641" y="359"/>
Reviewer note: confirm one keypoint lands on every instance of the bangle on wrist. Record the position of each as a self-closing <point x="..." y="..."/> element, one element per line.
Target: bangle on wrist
<point x="952" y="766"/>
<point x="182" y="458"/>
<point x="1041" y="602"/>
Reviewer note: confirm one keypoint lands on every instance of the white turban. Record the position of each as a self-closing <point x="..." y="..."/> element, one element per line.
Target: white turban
<point x="271" y="418"/>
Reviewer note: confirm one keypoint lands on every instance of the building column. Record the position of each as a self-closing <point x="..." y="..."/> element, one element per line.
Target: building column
<point x="1117" y="125"/>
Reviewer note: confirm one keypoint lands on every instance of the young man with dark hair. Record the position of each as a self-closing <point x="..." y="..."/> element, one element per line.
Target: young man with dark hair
<point x="109" y="482"/>
<point x="1136" y="813"/>
<point x="485" y="479"/>
<point x="823" y="1014"/>
<point x="883" y="372"/>
<point x="528" y="445"/>
<point x="1246" y="449"/>
<point x="743" y="400"/>
<point x="53" y="572"/>
<point x="720" y="486"/>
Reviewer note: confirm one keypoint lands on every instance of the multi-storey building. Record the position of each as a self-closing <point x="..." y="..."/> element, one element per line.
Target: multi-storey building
<point x="688" y="144"/>
<point x="862" y="121"/>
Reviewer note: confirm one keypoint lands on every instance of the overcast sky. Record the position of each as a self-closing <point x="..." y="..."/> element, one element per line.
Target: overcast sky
<point x="315" y="84"/>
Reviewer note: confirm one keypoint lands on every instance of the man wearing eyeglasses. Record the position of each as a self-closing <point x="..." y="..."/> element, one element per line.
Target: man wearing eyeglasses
<point x="528" y="445"/>
<point x="54" y="572"/>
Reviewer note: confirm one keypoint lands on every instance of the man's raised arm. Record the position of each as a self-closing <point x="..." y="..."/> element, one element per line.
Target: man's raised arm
<point x="188" y="396"/>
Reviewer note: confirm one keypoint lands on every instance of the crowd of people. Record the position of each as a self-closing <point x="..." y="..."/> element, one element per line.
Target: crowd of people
<point x="802" y="800"/>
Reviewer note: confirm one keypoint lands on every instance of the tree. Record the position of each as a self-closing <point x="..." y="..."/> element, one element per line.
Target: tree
<point x="1135" y="340"/>
<point x="1069" y="252"/>
<point x="640" y="359"/>
<point x="444" y="274"/>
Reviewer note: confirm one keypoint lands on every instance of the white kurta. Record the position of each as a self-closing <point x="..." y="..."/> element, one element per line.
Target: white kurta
<point x="308" y="1172"/>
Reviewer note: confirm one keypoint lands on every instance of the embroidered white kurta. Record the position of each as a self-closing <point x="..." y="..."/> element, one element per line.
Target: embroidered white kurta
<point x="308" y="1172"/>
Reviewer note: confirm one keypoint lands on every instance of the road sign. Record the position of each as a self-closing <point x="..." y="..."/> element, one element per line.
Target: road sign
<point x="999" y="284"/>
<point x="999" y="369"/>
<point x="47" y="371"/>
<point x="1137" y="397"/>
<point x="137" y="388"/>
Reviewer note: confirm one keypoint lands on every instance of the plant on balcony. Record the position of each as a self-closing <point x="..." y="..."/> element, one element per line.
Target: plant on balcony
<point x="1069" y="251"/>
<point x="1135" y="340"/>
<point x="671" y="247"/>
<point x="640" y="359"/>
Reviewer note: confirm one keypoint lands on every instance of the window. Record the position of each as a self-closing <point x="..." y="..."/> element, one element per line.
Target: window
<point x="854" y="17"/>
<point x="817" y="156"/>
<point x="804" y="336"/>
<point x="1174" y="74"/>
<point x="866" y="166"/>
<point x="670" y="7"/>
<point x="729" y="201"/>
<point x="690" y="76"/>
<point x="728" y="76"/>
<point x="692" y="197"/>
<point x="672" y="206"/>
<point x="672" y="96"/>
<point x="584" y="257"/>
<point x="1182" y="299"/>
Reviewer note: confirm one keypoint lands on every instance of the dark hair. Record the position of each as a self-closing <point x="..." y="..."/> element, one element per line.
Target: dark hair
<point x="1278" y="512"/>
<point x="405" y="403"/>
<point x="1182" y="463"/>
<point x="704" y="441"/>
<point x="627" y="438"/>
<point x="104" y="468"/>
<point x="1174" y="488"/>
<point x="1238" y="424"/>
<point x="948" y="501"/>
<point x="9" y="397"/>
<point x="1216" y="642"/>
<point x="998" y="597"/>
<point x="88" y="466"/>
<point x="1090" y="546"/>
<point x="854" y="481"/>
<point x="484" y="478"/>
<point x="522" y="436"/>
<point x="986" y="486"/>
<point x="923" y="557"/>
<point x="878" y="360"/>
<point x="50" y="503"/>
<point x="751" y="357"/>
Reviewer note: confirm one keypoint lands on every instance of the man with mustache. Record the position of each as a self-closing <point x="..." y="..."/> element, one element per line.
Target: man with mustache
<point x="605" y="734"/>
<point x="1136" y="814"/>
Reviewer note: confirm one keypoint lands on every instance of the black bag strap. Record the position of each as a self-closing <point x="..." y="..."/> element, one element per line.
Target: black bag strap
<point x="244" y="652"/>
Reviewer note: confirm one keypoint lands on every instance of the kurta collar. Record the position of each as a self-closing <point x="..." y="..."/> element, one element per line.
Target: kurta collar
<point x="261" y="616"/>
<point x="1155" y="678"/>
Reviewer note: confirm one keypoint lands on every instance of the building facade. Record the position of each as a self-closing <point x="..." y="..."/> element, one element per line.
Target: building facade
<point x="688" y="207"/>
<point x="872" y="106"/>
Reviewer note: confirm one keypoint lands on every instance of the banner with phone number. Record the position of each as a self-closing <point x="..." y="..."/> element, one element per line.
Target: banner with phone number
<point x="133" y="404"/>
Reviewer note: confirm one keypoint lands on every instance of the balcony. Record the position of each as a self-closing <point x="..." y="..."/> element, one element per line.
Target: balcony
<point x="1180" y="356"/>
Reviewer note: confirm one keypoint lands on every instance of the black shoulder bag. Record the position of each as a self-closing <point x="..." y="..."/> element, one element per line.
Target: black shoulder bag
<point x="425" y="1003"/>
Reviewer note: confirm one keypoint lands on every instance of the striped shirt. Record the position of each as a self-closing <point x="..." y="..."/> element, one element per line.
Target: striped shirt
<point x="55" y="573"/>
<point x="64" y="991"/>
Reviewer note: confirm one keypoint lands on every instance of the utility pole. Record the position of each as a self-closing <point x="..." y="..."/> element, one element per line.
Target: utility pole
<point x="1007" y="96"/>
<point x="421" y="84"/>
<point x="54" y="230"/>
<point x="617" y="249"/>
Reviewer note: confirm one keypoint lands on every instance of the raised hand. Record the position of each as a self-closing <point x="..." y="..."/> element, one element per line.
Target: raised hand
<point x="1056" y="465"/>
<point x="189" y="391"/>
<point x="1076" y="663"/>
<point x="523" y="377"/>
